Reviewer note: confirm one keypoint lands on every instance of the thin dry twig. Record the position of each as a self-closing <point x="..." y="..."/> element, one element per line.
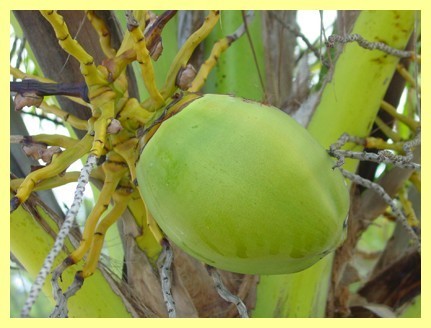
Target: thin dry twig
<point x="225" y="293"/>
<point x="383" y="156"/>
<point x="164" y="264"/>
<point x="382" y="193"/>
<point x="333" y="39"/>
<point x="62" y="235"/>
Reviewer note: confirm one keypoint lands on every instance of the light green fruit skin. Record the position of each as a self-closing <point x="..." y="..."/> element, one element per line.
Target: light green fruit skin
<point x="242" y="187"/>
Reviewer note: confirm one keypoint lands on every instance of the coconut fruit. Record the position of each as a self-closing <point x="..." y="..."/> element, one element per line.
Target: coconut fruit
<point x="242" y="187"/>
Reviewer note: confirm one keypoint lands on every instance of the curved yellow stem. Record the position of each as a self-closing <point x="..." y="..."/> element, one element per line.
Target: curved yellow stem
<point x="121" y="198"/>
<point x="114" y="172"/>
<point x="185" y="53"/>
<point x="102" y="30"/>
<point x="147" y="70"/>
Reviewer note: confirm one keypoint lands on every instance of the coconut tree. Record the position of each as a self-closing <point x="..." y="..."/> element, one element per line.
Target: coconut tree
<point x="122" y="79"/>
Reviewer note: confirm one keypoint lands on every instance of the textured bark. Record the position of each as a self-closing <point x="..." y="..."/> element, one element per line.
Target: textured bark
<point x="397" y="284"/>
<point x="345" y="20"/>
<point x="279" y="56"/>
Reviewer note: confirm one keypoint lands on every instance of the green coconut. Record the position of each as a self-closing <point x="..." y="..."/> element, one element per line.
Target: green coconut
<point x="242" y="187"/>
